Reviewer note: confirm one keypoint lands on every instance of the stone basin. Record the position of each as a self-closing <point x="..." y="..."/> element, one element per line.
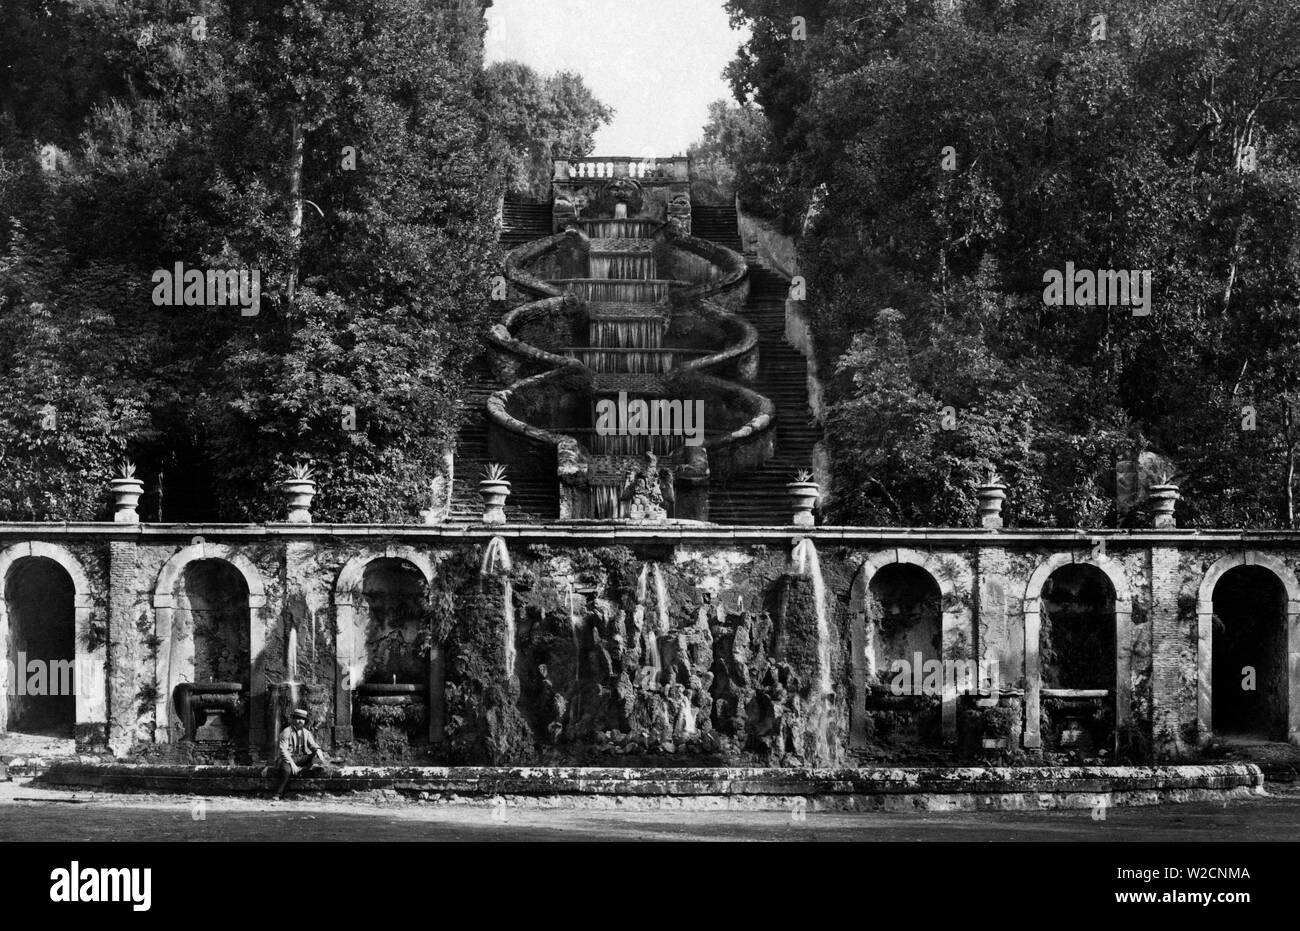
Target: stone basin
<point x="198" y="688"/>
<point x="390" y="688"/>
<point x="207" y="709"/>
<point x="402" y="706"/>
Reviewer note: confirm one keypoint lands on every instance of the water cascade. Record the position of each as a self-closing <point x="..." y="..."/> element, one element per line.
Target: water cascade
<point x="649" y="636"/>
<point x="630" y="446"/>
<point x="639" y="266"/>
<point x="604" y="494"/>
<point x="630" y="332"/>
<point x="628" y="315"/>
<point x="291" y="655"/>
<point x="618" y="229"/>
<point x="496" y="569"/>
<point x="804" y="563"/>
<point x="613" y="290"/>
<point x="662" y="615"/>
<point x="614" y="361"/>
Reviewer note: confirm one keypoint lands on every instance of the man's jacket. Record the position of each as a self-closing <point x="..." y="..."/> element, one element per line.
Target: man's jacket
<point x="294" y="745"/>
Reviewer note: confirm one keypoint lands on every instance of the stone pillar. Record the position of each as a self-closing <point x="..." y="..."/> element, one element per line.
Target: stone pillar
<point x="1000" y="635"/>
<point x="123" y="645"/>
<point x="1173" y="658"/>
<point x="862" y="658"/>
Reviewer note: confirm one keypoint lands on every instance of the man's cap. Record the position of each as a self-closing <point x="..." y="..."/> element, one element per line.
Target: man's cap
<point x="299" y="713"/>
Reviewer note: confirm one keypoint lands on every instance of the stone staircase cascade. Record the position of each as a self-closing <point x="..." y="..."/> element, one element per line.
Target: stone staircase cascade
<point x="533" y="496"/>
<point x="626" y="296"/>
<point x="628" y="316"/>
<point x="759" y="498"/>
<point x="523" y="222"/>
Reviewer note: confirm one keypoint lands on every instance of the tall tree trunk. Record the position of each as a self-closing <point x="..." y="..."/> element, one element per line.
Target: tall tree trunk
<point x="295" y="203"/>
<point x="1288" y="492"/>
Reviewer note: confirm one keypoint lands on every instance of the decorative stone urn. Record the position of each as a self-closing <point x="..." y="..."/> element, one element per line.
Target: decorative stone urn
<point x="1164" y="496"/>
<point x="494" y="489"/>
<point x="804" y="493"/>
<point x="126" y="496"/>
<point x="991" y="494"/>
<point x="298" y="490"/>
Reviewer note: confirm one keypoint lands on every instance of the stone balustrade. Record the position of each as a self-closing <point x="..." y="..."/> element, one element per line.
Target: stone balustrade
<point x="674" y="169"/>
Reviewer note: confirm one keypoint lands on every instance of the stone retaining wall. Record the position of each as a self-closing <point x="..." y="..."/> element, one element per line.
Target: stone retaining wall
<point x="613" y="642"/>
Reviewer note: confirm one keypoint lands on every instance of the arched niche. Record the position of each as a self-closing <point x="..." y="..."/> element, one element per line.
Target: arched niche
<point x="89" y="652"/>
<point x="1289" y="663"/>
<point x="955" y="631"/>
<point x="353" y="604"/>
<point x="1033" y="620"/>
<point x="172" y="603"/>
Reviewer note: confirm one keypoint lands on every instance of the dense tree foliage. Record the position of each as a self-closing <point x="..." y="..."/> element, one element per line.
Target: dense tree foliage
<point x="959" y="151"/>
<point x="349" y="151"/>
<point x="735" y="142"/>
<point x="538" y="120"/>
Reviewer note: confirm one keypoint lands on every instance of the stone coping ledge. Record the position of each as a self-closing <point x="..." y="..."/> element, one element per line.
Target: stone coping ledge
<point x="944" y="787"/>
<point x="704" y="533"/>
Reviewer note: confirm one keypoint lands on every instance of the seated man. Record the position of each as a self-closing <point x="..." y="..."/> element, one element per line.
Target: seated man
<point x="299" y="751"/>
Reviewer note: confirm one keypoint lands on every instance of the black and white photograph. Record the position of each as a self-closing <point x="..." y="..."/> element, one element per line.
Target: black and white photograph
<point x="648" y="423"/>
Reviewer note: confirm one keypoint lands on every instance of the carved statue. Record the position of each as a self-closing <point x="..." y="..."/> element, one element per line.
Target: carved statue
<point x="625" y="196"/>
<point x="667" y="481"/>
<point x="679" y="212"/>
<point x="642" y="494"/>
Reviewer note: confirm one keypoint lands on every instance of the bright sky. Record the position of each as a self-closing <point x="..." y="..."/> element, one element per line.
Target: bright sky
<point x="657" y="62"/>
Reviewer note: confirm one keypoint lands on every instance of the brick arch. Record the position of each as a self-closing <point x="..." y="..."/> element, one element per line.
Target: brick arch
<point x="89" y="665"/>
<point x="1205" y="638"/>
<point x="172" y="656"/>
<point x="953" y="619"/>
<point x="1033" y="618"/>
<point x="348" y="597"/>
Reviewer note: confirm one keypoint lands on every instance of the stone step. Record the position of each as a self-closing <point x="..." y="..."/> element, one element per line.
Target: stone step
<point x="717" y="224"/>
<point x="524" y="222"/>
<point x="532" y="498"/>
<point x="759" y="497"/>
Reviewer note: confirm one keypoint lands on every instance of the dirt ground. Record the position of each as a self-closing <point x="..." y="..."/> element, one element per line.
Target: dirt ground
<point x="28" y="812"/>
